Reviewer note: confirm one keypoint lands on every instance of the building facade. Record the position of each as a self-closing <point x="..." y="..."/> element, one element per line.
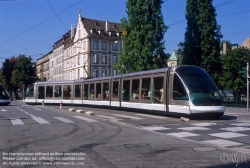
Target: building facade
<point x="94" y="50"/>
<point x="56" y="61"/>
<point x="42" y="67"/>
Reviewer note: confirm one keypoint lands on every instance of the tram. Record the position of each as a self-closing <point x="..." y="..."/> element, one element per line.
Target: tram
<point x="4" y="96"/>
<point x="185" y="91"/>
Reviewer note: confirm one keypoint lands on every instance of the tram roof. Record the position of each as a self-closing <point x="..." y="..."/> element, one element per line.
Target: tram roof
<point x="148" y="72"/>
<point x="56" y="82"/>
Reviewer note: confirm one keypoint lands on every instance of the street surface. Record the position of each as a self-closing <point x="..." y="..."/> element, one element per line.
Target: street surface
<point x="39" y="136"/>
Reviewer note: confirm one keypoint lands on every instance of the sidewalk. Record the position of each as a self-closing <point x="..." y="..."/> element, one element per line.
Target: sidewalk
<point x="242" y="111"/>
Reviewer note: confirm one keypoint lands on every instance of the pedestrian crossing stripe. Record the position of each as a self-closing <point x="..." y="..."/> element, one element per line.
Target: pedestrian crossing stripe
<point x="40" y="120"/>
<point x="16" y="121"/>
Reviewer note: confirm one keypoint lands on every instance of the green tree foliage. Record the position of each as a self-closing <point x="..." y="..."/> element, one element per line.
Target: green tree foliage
<point x="231" y="77"/>
<point x="143" y="45"/>
<point x="201" y="46"/>
<point x="24" y="72"/>
<point x="8" y="66"/>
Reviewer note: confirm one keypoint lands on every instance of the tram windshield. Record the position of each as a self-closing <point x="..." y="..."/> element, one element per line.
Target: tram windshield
<point x="201" y="88"/>
<point x="3" y="93"/>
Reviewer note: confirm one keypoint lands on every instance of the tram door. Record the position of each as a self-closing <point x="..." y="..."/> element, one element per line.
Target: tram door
<point x="40" y="92"/>
<point x="115" y="93"/>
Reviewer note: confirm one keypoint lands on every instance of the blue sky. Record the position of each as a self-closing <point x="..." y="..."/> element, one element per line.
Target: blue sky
<point x="31" y="26"/>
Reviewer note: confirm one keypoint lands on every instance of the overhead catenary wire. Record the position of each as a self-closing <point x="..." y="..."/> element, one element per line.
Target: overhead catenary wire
<point x="40" y="23"/>
<point x="185" y="19"/>
<point x="57" y="15"/>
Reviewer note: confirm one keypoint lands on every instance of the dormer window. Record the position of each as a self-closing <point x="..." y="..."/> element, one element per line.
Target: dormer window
<point x="93" y="31"/>
<point x="101" y="32"/>
<point x="119" y="34"/>
<point x="112" y="33"/>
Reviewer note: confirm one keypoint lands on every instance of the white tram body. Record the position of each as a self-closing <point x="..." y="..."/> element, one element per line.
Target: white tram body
<point x="177" y="91"/>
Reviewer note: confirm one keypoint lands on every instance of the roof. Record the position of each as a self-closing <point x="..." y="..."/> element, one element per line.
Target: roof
<point x="246" y="43"/>
<point x="100" y="25"/>
<point x="173" y="56"/>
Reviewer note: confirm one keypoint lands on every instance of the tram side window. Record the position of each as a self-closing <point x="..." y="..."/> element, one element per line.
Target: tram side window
<point x="115" y="89"/>
<point x="86" y="92"/>
<point x="105" y="95"/>
<point x="126" y="90"/>
<point x="30" y="92"/>
<point x="135" y="88"/>
<point x="92" y="93"/>
<point x="78" y="91"/>
<point x="58" y="91"/>
<point x="179" y="92"/>
<point x="145" y="89"/>
<point x="67" y="92"/>
<point x="98" y="90"/>
<point x="41" y="92"/>
<point x="49" y="91"/>
<point x="157" y="94"/>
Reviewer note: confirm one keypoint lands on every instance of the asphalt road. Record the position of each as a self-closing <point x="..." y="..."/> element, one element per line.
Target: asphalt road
<point x="46" y="135"/>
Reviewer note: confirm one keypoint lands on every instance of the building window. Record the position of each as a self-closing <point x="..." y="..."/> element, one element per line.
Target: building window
<point x="114" y="59"/>
<point x="78" y="60"/>
<point x="115" y="46"/>
<point x="104" y="72"/>
<point x="95" y="59"/>
<point x="95" y="44"/>
<point x="104" y="45"/>
<point x="104" y="59"/>
<point x="95" y="73"/>
<point x="114" y="72"/>
<point x="79" y="34"/>
<point x="84" y="45"/>
<point x="78" y="74"/>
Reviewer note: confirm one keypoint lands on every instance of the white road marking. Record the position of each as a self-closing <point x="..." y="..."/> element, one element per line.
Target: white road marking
<point x="85" y="119"/>
<point x="151" y="116"/>
<point x="154" y="128"/>
<point x="16" y="121"/>
<point x="203" y="124"/>
<point x="193" y="128"/>
<point x="64" y="120"/>
<point x="235" y="129"/>
<point x="227" y="135"/>
<point x="241" y="124"/>
<point x="222" y="142"/>
<point x="183" y="134"/>
<point x="40" y="120"/>
<point x="125" y="116"/>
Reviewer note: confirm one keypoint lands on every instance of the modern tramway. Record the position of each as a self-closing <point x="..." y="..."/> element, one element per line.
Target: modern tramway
<point x="4" y="97"/>
<point x="178" y="91"/>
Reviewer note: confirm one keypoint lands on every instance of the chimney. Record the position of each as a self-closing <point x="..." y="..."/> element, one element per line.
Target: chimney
<point x="72" y="31"/>
<point x="107" y="25"/>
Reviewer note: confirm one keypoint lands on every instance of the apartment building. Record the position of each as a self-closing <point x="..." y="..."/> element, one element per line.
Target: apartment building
<point x="92" y="49"/>
<point x="42" y="67"/>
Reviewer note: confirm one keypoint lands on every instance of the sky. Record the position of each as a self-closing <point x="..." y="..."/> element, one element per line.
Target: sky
<point x="31" y="27"/>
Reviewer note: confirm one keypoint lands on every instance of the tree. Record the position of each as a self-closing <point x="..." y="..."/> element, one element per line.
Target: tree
<point x="8" y="66"/>
<point x="143" y="45"/>
<point x="24" y="72"/>
<point x="231" y="76"/>
<point x="201" y="46"/>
